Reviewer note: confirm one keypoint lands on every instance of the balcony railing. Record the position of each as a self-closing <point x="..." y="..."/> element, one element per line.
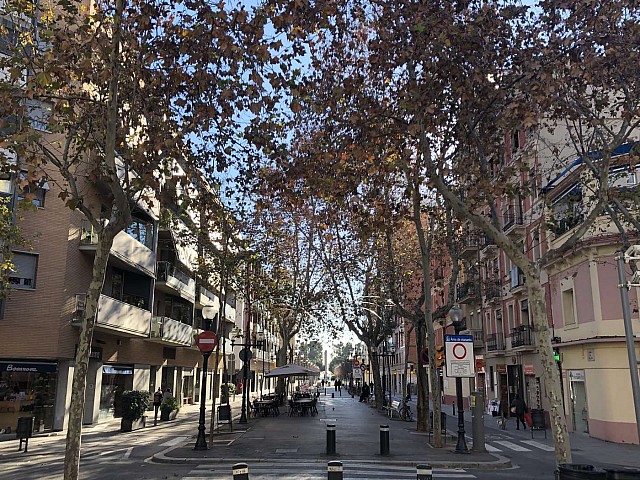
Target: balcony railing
<point x="511" y="220"/>
<point x="467" y="291"/>
<point x="495" y="342"/>
<point x="88" y="235"/>
<point x="478" y="338"/>
<point x="168" y="269"/>
<point x="171" y="331"/>
<point x="521" y="336"/>
<point x="493" y="289"/>
<point x="206" y="293"/>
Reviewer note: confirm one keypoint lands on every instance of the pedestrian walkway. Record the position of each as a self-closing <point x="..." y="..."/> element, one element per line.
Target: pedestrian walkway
<point x="287" y="470"/>
<point x="303" y="439"/>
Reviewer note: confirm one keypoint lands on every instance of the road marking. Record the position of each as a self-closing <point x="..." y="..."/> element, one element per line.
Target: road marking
<point x="491" y="448"/>
<point x="127" y="454"/>
<point x="175" y="441"/>
<point x="541" y="446"/>
<point x="512" y="446"/>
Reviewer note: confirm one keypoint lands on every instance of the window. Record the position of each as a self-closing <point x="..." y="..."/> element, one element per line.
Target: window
<point x="24" y="270"/>
<point x="512" y="320"/>
<point x="36" y="195"/>
<point x="9" y="33"/>
<point x="524" y="312"/>
<point x="39" y="114"/>
<point x="488" y="328"/>
<point x="537" y="251"/>
<point x="632" y="178"/>
<point x="499" y="321"/>
<point x="568" y="309"/>
<point x="515" y="141"/>
<point x="142" y="231"/>
<point x="491" y="382"/>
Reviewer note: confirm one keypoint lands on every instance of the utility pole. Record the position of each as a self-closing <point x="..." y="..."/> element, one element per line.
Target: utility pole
<point x="633" y="253"/>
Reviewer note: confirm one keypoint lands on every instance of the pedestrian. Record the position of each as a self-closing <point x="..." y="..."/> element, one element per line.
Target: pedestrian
<point x="409" y="392"/>
<point x="340" y="387"/>
<point x="364" y="396"/>
<point x="519" y="408"/>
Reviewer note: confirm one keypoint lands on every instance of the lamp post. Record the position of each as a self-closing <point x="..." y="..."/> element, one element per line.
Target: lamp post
<point x="459" y="324"/>
<point x="206" y="342"/>
<point x="388" y="350"/>
<point x="245" y="356"/>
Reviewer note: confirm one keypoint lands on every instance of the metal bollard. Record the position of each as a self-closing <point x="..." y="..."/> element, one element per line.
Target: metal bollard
<point x="331" y="440"/>
<point x="384" y="439"/>
<point x="240" y="471"/>
<point x="453" y="407"/>
<point x="333" y="394"/>
<point x="477" y="419"/>
<point x="334" y="470"/>
<point x="424" y="472"/>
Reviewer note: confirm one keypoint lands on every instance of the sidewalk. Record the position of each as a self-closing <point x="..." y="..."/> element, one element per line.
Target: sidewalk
<point x="112" y="425"/>
<point x="304" y="438"/>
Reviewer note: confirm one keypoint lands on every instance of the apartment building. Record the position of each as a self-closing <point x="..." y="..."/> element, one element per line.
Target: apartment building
<point x="583" y="302"/>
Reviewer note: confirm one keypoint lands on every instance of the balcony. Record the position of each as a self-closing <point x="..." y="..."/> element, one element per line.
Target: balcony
<point x="522" y="336"/>
<point x="488" y="247"/>
<point x="171" y="332"/>
<point x="471" y="243"/>
<point x="493" y="290"/>
<point x="120" y="317"/>
<point x="513" y="224"/>
<point x="495" y="342"/>
<point x="206" y="298"/>
<point x="128" y="251"/>
<point x="468" y="292"/>
<point x="478" y="338"/>
<point x="174" y="281"/>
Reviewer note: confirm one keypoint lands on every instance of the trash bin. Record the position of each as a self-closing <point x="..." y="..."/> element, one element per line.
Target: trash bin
<point x="622" y="474"/>
<point x="576" y="471"/>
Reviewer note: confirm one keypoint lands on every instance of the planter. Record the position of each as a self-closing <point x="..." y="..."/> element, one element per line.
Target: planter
<point x="131" y="425"/>
<point x="166" y="415"/>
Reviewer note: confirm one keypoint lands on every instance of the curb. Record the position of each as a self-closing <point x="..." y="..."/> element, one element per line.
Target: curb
<point x="162" y="457"/>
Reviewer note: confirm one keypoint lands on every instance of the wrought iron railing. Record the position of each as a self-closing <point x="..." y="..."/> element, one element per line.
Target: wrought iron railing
<point x="495" y="341"/>
<point x="521" y="336"/>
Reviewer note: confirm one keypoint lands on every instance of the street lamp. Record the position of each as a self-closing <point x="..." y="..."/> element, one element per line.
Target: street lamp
<point x="459" y="324"/>
<point x="246" y="355"/>
<point x="388" y="350"/>
<point x="206" y="342"/>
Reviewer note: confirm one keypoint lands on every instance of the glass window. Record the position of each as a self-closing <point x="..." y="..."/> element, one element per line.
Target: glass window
<point x="142" y="231"/>
<point x="24" y="270"/>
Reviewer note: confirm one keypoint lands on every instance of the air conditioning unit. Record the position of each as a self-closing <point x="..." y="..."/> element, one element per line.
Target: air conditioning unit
<point x="80" y="306"/>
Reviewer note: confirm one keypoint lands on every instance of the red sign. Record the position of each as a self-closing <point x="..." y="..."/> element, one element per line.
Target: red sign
<point x="529" y="370"/>
<point x="206" y="341"/>
<point x="479" y="363"/>
<point x="356" y="363"/>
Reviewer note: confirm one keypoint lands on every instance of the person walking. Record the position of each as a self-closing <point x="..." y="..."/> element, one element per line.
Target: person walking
<point x="518" y="407"/>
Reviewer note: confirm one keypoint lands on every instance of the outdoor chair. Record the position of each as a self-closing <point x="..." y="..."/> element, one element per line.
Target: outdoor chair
<point x="293" y="408"/>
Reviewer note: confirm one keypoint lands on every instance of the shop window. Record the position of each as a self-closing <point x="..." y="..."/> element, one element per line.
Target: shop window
<point x="24" y="270"/>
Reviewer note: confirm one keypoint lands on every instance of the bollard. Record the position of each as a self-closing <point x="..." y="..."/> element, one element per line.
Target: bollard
<point x="240" y="471"/>
<point x="477" y="419"/>
<point x="332" y="394"/>
<point x="384" y="439"/>
<point x="331" y="441"/>
<point x="424" y="472"/>
<point x="453" y="407"/>
<point x="334" y="470"/>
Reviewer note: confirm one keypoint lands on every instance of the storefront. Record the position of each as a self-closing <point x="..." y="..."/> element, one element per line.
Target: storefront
<point x="187" y="385"/>
<point x="27" y="388"/>
<point x="115" y="380"/>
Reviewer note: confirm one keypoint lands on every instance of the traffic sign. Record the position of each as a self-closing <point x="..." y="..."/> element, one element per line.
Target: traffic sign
<point x="356" y="363"/>
<point x="460" y="357"/>
<point x="424" y="356"/>
<point x="206" y="341"/>
<point x="363" y="367"/>
<point x="245" y="355"/>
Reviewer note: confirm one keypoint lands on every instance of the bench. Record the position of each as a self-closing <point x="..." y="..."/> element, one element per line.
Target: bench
<point x="394" y="408"/>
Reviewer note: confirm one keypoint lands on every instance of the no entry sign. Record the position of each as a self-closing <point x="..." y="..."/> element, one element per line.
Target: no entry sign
<point x="460" y="357"/>
<point x="206" y="341"/>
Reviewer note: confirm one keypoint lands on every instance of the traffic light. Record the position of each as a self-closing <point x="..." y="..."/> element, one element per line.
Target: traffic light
<point x="440" y="358"/>
<point x="556" y="355"/>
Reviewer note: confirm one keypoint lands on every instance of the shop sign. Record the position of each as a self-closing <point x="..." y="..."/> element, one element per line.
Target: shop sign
<point x="95" y="353"/>
<point x="110" y="369"/>
<point x="480" y="365"/>
<point x="576" y="375"/>
<point x="529" y="370"/>
<point x="28" y="367"/>
<point x="501" y="368"/>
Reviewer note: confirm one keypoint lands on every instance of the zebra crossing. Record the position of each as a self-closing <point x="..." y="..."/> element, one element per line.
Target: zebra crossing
<point x="505" y="443"/>
<point x="287" y="470"/>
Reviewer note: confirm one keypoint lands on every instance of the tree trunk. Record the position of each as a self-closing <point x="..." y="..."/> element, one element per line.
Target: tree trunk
<point x="76" y="408"/>
<point x="377" y="383"/>
<point x="422" y="401"/>
<point x="537" y="307"/>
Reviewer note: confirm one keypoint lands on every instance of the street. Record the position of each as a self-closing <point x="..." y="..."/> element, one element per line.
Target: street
<point x="286" y="447"/>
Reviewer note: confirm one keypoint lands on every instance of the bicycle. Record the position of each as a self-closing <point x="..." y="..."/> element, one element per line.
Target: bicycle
<point x="405" y="413"/>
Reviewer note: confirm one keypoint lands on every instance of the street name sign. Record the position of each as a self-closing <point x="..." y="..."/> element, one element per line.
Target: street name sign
<point x="459" y="355"/>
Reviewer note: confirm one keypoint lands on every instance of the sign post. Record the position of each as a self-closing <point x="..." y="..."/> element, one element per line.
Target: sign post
<point x="206" y="342"/>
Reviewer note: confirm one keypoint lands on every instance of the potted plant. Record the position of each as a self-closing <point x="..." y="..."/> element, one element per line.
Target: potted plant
<point x="169" y="408"/>
<point x="134" y="405"/>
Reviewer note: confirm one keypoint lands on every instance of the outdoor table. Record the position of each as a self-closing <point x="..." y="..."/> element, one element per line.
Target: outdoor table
<point x="265" y="406"/>
<point x="305" y="404"/>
